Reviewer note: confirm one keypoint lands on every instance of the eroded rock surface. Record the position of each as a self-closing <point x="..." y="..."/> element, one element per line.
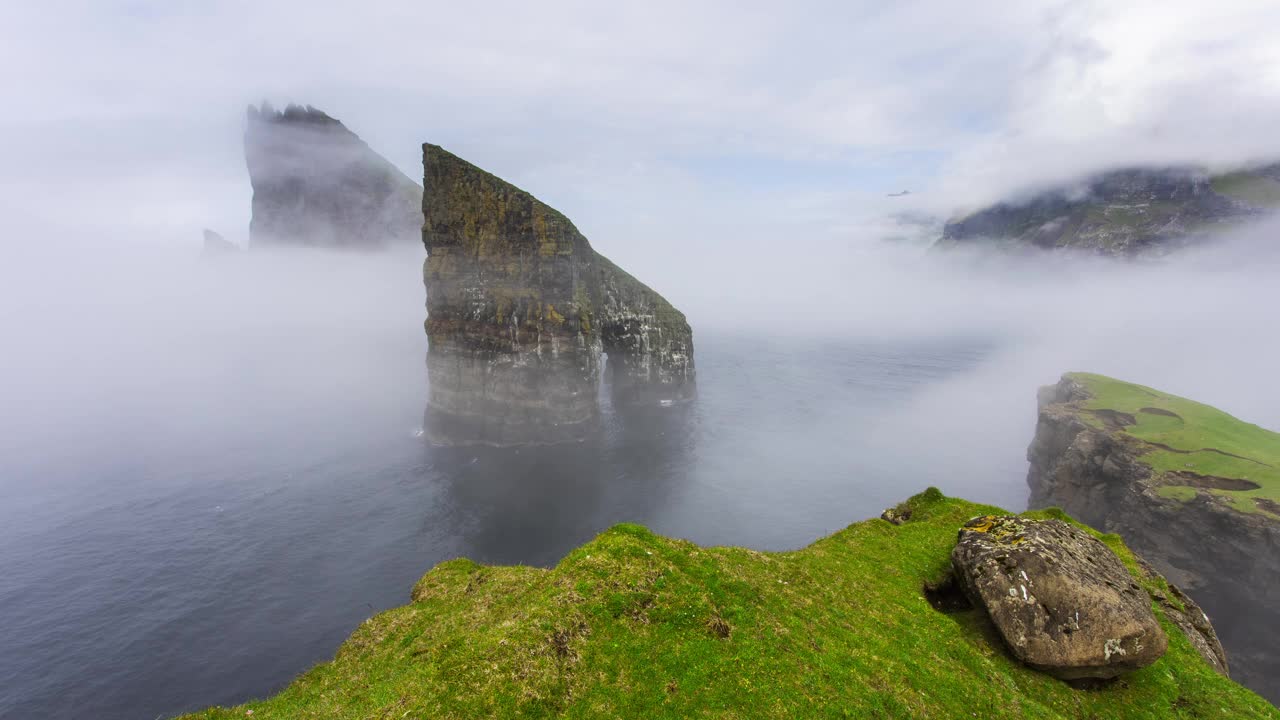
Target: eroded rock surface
<point x="1228" y="560"/>
<point x="519" y="310"/>
<point x="1061" y="600"/>
<point x="316" y="184"/>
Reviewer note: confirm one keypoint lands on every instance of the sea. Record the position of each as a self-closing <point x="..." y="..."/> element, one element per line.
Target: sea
<point x="209" y="479"/>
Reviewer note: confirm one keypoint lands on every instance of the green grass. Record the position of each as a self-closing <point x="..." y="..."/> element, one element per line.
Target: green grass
<point x="1193" y="432"/>
<point x="1181" y="493"/>
<point x="1256" y="190"/>
<point x="634" y="625"/>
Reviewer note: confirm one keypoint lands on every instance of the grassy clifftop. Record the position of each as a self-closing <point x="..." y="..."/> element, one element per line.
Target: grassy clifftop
<point x="635" y="625"/>
<point x="1194" y="446"/>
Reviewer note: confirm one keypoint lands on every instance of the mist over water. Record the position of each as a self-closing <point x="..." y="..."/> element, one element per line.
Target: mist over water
<point x="209" y="473"/>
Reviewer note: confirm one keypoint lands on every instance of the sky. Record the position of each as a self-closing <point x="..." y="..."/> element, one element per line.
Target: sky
<point x="659" y="127"/>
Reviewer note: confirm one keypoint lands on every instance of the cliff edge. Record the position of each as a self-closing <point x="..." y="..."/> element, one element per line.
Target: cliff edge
<point x="635" y="625"/>
<point x="1192" y="489"/>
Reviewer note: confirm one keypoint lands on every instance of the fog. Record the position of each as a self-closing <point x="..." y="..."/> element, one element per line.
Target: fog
<point x="209" y="465"/>
<point x="156" y="345"/>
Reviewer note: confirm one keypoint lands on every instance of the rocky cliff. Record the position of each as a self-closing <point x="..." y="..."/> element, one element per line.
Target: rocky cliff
<point x="316" y="184"/>
<point x="1123" y="212"/>
<point x="635" y="625"/>
<point x="519" y="310"/>
<point x="1192" y="489"/>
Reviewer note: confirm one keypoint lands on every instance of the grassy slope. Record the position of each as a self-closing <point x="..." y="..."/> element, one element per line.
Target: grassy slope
<point x="1257" y="190"/>
<point x="635" y="625"/>
<point x="1197" y="428"/>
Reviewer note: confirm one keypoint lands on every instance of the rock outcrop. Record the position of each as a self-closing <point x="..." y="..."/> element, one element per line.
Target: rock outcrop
<point x="519" y="310"/>
<point x="215" y="244"/>
<point x="1213" y="533"/>
<point x="316" y="184"/>
<point x="1061" y="600"/>
<point x="1123" y="212"/>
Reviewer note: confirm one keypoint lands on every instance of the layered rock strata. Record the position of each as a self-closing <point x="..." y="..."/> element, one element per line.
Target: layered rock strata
<point x="317" y="184"/>
<point x="520" y="309"/>
<point x="1185" y="523"/>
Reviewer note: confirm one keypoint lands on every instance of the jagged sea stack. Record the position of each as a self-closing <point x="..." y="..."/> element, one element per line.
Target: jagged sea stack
<point x="317" y="184"/>
<point x="519" y="309"/>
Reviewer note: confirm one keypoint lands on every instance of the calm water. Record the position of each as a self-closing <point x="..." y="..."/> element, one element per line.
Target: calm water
<point x="154" y="561"/>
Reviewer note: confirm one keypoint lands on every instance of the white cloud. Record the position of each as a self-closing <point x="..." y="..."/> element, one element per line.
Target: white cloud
<point x="737" y="108"/>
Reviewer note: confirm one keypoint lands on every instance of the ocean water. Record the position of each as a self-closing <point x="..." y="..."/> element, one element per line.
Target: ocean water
<point x="209" y="474"/>
<point x="163" y="562"/>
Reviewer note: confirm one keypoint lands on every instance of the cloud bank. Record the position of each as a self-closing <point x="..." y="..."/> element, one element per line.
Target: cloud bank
<point x="657" y="127"/>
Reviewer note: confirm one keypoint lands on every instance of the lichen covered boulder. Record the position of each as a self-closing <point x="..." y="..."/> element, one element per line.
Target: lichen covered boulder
<point x="520" y="309"/>
<point x="1061" y="599"/>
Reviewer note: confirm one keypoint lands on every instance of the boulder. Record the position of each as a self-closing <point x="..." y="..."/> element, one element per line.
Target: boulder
<point x="1061" y="599"/>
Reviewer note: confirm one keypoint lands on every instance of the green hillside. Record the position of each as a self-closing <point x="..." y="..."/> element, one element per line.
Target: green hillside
<point x="1252" y="188"/>
<point x="1195" y="446"/>
<point x="634" y="625"/>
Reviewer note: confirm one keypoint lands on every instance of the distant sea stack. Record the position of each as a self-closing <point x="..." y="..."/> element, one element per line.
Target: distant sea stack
<point x="1190" y="488"/>
<point x="520" y="308"/>
<point x="1126" y="212"/>
<point x="215" y="245"/>
<point x="316" y="184"/>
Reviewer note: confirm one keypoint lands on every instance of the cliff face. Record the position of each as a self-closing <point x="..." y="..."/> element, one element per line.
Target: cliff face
<point x="520" y="308"/>
<point x="1136" y="462"/>
<point x="316" y="184"/>
<point x="1124" y="212"/>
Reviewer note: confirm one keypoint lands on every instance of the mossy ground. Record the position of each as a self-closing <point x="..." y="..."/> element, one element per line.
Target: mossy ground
<point x="1196" y="438"/>
<point x="634" y="625"/>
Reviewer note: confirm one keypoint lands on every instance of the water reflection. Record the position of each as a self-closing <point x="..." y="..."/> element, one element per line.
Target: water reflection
<point x="532" y="505"/>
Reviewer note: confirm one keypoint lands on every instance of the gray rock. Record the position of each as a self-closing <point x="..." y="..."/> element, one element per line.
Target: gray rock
<point x="1061" y="600"/>
<point x="1227" y="560"/>
<point x="520" y="308"/>
<point x="317" y="184"/>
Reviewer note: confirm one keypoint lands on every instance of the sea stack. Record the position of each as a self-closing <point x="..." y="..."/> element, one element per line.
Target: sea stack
<point x="215" y="245"/>
<point x="519" y="310"/>
<point x="317" y="184"/>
